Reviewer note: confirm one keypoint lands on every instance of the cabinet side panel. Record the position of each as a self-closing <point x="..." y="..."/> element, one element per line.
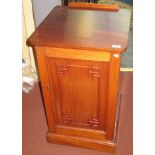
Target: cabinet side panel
<point x="114" y="70"/>
<point x="46" y="88"/>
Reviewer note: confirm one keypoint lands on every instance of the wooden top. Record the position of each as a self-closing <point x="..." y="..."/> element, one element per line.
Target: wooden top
<point x="93" y="6"/>
<point x="83" y="29"/>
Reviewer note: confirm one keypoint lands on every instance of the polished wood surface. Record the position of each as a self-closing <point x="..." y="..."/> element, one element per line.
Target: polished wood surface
<point x="113" y="82"/>
<point x="48" y="97"/>
<point x="78" y="54"/>
<point x="92" y="6"/>
<point x="83" y="29"/>
<point x="80" y="96"/>
<point x="80" y="85"/>
<point x="81" y="142"/>
<point x="82" y="132"/>
<point x="73" y="81"/>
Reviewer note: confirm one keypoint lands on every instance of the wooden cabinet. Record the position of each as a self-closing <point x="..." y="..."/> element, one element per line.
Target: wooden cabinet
<point x="76" y="88"/>
<point x="79" y="85"/>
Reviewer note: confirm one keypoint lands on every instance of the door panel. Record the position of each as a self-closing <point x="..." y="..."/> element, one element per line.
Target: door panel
<point x="79" y="89"/>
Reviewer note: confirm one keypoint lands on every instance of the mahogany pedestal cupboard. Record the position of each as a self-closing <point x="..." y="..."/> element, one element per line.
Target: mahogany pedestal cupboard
<point x="78" y="58"/>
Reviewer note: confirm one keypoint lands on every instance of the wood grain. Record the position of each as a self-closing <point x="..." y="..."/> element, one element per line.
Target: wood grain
<point x="73" y="81"/>
<point x="83" y="29"/>
<point x="81" y="132"/>
<point x="114" y="71"/>
<point x="76" y="96"/>
<point x="92" y="6"/>
<point x="48" y="99"/>
<point x="81" y="142"/>
<point x="78" y="54"/>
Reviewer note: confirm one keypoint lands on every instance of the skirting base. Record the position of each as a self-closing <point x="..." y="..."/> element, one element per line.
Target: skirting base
<point x="81" y="142"/>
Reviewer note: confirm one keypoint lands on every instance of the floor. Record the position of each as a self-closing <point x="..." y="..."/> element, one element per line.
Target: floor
<point x="35" y="126"/>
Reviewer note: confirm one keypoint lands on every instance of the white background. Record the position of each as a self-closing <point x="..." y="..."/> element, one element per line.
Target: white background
<point x="11" y="77"/>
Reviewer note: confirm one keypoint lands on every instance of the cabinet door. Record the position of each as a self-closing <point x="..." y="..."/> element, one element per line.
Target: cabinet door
<point x="79" y="89"/>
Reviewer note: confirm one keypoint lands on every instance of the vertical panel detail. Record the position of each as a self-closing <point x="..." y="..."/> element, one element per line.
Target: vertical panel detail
<point x="114" y="71"/>
<point x="46" y="87"/>
<point x="79" y="92"/>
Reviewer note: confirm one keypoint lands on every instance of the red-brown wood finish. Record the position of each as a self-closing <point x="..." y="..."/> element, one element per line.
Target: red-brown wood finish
<point x="79" y="75"/>
<point x="47" y="94"/>
<point x="83" y="29"/>
<point x="73" y="82"/>
<point x="92" y="6"/>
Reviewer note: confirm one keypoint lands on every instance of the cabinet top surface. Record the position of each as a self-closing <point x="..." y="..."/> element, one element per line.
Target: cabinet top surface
<point x="83" y="29"/>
